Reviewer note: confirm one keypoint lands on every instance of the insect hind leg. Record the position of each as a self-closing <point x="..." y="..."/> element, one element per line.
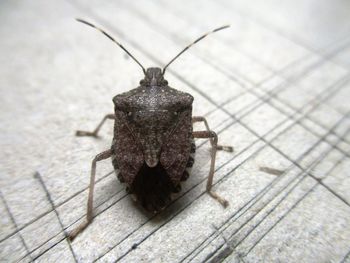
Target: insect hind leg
<point x="214" y="139"/>
<point x="89" y="214"/>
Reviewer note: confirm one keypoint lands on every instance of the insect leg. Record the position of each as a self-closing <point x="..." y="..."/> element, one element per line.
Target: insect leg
<point x="95" y="132"/>
<point x="219" y="147"/>
<point x="89" y="214"/>
<point x="214" y="138"/>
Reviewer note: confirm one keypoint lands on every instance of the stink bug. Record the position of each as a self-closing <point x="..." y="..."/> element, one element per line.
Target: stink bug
<point x="153" y="144"/>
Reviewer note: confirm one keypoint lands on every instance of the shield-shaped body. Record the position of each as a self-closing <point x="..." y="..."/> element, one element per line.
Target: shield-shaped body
<point x="153" y="141"/>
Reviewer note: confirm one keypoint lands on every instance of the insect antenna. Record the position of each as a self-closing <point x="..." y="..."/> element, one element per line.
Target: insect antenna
<point x="194" y="42"/>
<point x="111" y="38"/>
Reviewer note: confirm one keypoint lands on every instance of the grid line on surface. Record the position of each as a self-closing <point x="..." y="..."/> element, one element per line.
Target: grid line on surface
<point x="346" y="258"/>
<point x="190" y="189"/>
<point x="234" y="121"/>
<point x="265" y="190"/>
<point x="112" y="172"/>
<point x="307" y="173"/>
<point x="37" y="175"/>
<point x="221" y="179"/>
<point x="13" y="220"/>
<point x="290" y="80"/>
<point x="294" y="39"/>
<point x="303" y="174"/>
<point x="192" y="86"/>
<point x="101" y="178"/>
<point x="96" y="205"/>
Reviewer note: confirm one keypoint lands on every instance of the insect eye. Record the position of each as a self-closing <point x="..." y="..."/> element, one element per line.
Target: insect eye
<point x="144" y="82"/>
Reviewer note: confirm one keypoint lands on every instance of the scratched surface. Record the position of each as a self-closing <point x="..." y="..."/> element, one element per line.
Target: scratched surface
<point x="276" y="86"/>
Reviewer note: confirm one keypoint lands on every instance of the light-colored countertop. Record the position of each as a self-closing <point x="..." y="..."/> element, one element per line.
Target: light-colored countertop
<point x="275" y="85"/>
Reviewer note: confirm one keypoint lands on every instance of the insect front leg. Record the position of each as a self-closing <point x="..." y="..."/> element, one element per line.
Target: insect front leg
<point x="89" y="214"/>
<point x="95" y="132"/>
<point x="214" y="141"/>
<point x="219" y="147"/>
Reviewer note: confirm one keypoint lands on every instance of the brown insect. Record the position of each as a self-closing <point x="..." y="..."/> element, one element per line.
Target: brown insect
<point x="153" y="143"/>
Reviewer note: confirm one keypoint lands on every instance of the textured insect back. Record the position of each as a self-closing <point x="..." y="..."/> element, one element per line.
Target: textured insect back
<point x="156" y="119"/>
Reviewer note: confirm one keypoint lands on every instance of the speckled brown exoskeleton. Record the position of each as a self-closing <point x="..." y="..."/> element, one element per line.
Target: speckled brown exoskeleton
<point x="153" y="145"/>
